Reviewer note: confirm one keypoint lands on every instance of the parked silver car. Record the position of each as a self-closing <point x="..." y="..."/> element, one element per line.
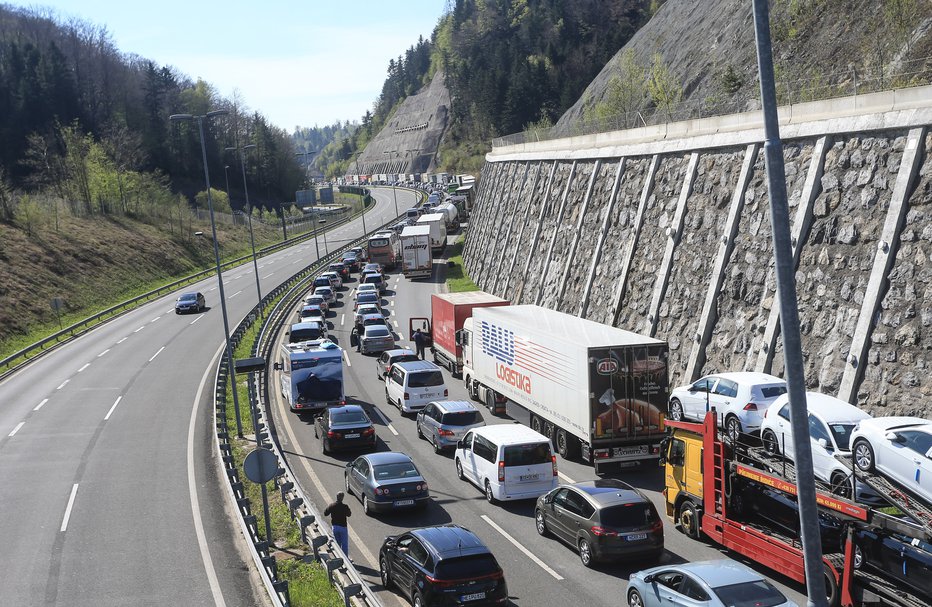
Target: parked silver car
<point x="444" y="422"/>
<point x="375" y="338"/>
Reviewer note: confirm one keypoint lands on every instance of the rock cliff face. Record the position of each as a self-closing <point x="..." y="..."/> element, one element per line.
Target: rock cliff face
<point x="641" y="240"/>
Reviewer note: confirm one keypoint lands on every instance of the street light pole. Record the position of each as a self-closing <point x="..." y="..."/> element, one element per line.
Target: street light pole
<point x="316" y="246"/>
<point x="213" y="228"/>
<point x="322" y="222"/>
<point x="394" y="181"/>
<point x="364" y="231"/>
<point x="226" y="175"/>
<point x="252" y="241"/>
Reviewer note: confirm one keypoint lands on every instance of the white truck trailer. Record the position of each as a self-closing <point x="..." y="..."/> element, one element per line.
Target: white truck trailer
<point x="599" y="392"/>
<point x="437" y="222"/>
<point x="416" y="257"/>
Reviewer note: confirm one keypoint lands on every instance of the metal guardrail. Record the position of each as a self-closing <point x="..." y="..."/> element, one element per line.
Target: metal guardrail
<point x="31" y="352"/>
<point x="315" y="531"/>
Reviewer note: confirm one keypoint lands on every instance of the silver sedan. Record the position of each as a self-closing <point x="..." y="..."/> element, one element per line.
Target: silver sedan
<point x="708" y="583"/>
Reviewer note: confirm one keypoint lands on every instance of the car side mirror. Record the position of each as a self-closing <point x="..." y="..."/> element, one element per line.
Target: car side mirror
<point x="823" y="443"/>
<point x="649" y="578"/>
<point x="277" y="366"/>
<point x="894" y="437"/>
<point x="460" y="444"/>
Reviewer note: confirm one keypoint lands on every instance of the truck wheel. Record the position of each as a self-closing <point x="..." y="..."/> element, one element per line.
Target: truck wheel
<point x="688" y="518"/>
<point x="490" y="401"/>
<point x="831" y="587"/>
<point x="536" y="425"/>
<point x="567" y="445"/>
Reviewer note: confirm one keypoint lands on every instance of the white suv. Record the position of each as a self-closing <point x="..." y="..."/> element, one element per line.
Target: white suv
<point x="739" y="399"/>
<point x="831" y="422"/>
<point x="411" y="386"/>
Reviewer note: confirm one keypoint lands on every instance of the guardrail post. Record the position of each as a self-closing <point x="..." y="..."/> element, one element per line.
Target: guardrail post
<point x="349" y="591"/>
<point x="316" y="543"/>
<point x="332" y="563"/>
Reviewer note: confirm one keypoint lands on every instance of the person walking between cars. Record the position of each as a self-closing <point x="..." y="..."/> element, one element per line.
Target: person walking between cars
<point x="338" y="512"/>
<point x="419" y="340"/>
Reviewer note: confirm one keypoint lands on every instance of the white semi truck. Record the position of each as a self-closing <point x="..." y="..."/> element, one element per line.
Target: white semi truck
<point x="599" y="392"/>
<point x="416" y="257"/>
<point x="437" y="222"/>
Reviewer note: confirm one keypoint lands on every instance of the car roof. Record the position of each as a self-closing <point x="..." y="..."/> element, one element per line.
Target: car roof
<point x="607" y="492"/>
<point x="189" y="294"/>
<point x="373" y="315"/>
<point x="368" y="294"/>
<point x="509" y="433"/>
<point x="415" y="366"/>
<point x="716" y="573"/>
<point x="307" y="324"/>
<point x="450" y="540"/>
<point x="827" y="408"/>
<point x="373" y="328"/>
<point x="749" y="377"/>
<point x="345" y="408"/>
<point x="386" y="457"/>
<point x="898" y="423"/>
<point x="454" y="406"/>
<point x="399" y="352"/>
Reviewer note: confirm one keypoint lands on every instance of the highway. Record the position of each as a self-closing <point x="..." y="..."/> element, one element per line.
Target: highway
<point x="539" y="571"/>
<point x="110" y="493"/>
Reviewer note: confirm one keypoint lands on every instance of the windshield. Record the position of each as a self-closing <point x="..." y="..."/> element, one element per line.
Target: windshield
<point x="353" y="416"/>
<point x="527" y="455"/>
<point x="842" y="435"/>
<point x="750" y="594"/>
<point x="318" y="383"/>
<point x="460" y="418"/>
<point x="425" y="379"/>
<point x="367" y="298"/>
<point x="378" y="243"/>
<point x="771" y="391"/>
<point x="387" y="472"/>
<point x="376" y="331"/>
<point x="304" y="335"/>
<point x="188" y="297"/>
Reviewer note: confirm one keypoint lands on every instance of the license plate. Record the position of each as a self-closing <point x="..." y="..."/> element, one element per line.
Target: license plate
<point x="635" y="537"/>
<point x="473" y="597"/>
<point x="351" y="435"/>
<point x="622" y="451"/>
<point x="406" y="503"/>
<point x="529" y="477"/>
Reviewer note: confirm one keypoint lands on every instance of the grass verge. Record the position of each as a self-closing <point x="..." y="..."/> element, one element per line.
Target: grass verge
<point x="457" y="279"/>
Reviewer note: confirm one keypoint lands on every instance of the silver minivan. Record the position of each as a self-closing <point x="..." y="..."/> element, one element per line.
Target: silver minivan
<point x="444" y="422"/>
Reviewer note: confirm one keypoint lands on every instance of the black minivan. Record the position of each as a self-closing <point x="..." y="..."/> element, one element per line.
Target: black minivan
<point x="443" y="565"/>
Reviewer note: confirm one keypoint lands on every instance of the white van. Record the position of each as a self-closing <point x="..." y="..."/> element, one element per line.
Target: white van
<point x="411" y="386"/>
<point x="507" y="461"/>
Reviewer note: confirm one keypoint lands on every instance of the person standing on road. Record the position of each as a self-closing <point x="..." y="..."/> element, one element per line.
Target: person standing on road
<point x="419" y="339"/>
<point x="338" y="513"/>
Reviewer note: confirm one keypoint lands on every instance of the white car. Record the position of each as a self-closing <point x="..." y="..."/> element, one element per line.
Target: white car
<point x="831" y="422"/>
<point x="366" y="288"/>
<point x="335" y="279"/>
<point x="317" y="300"/>
<point x="739" y="399"/>
<point x="900" y="448"/>
<point x="327" y="293"/>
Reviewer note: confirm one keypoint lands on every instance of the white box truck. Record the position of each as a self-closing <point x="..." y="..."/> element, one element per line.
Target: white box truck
<point x="437" y="223"/>
<point x="599" y="392"/>
<point x="416" y="257"/>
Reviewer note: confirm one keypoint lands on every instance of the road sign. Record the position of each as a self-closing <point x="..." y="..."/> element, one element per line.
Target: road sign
<point x="260" y="466"/>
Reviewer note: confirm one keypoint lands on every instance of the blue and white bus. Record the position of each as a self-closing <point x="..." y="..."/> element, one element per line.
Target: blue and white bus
<point x="312" y="375"/>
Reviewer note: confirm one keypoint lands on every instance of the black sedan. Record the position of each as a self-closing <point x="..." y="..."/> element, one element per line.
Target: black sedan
<point x="346" y="427"/>
<point x="385" y="481"/>
<point x="904" y="559"/>
<point x="190" y="302"/>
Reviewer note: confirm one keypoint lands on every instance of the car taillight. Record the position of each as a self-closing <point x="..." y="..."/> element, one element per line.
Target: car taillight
<point x="444" y="391"/>
<point x="602" y="531"/>
<point x="381" y="491"/>
<point x="368" y="432"/>
<point x="437" y="583"/>
<point x="443" y="432"/>
<point x="407" y="396"/>
<point x="553" y="460"/>
<point x="332" y="434"/>
<point x="750" y="407"/>
<point x="657" y="525"/>
<point x="501" y="472"/>
<point x="421" y="487"/>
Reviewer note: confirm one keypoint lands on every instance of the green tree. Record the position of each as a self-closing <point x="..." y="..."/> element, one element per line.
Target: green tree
<point x="665" y="90"/>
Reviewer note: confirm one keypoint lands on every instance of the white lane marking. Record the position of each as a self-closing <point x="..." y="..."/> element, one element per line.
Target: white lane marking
<point x="16" y="429"/>
<point x="295" y="261"/>
<point x="155" y="319"/>
<point x="342" y="318"/>
<point x="115" y="403"/>
<point x="235" y="294"/>
<point x="39" y="406"/>
<point x="396" y="324"/>
<point x="170" y="311"/>
<point x="156" y="354"/>
<point x="104" y="352"/>
<point x="86" y="365"/>
<point x="520" y="547"/>
<point x="74" y="493"/>
<point x="122" y="340"/>
<point x="566" y="478"/>
<point x="268" y="275"/>
<point x="195" y="320"/>
<point x="62" y="385"/>
<point x="139" y="329"/>
<point x="401" y="335"/>
<point x="192" y="491"/>
<point x="212" y="289"/>
<point x="385" y="421"/>
<point x="346" y="358"/>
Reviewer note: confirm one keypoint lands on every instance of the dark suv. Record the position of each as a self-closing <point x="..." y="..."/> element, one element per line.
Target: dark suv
<point x="445" y="565"/>
<point x="603" y="519"/>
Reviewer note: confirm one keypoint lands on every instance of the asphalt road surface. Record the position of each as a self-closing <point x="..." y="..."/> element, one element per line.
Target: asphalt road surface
<point x="110" y="494"/>
<point x="539" y="571"/>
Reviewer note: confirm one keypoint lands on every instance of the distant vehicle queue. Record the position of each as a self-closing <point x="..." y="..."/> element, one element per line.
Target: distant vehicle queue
<point x="602" y="395"/>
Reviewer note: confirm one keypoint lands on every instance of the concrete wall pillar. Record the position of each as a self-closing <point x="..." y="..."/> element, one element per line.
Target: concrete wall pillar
<point x="523" y="219"/>
<point x="537" y="229"/>
<point x="883" y="262"/>
<point x="799" y="232"/>
<point x="553" y="241"/>
<point x="472" y="249"/>
<point x="582" y="216"/>
<point x="673" y="238"/>
<point x="709" y="310"/>
<point x="503" y="220"/>
<point x="635" y="233"/>
<point x="606" y="222"/>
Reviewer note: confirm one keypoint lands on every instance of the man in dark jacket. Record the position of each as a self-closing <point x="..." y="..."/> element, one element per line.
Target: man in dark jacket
<point x="338" y="513"/>
<point x="419" y="340"/>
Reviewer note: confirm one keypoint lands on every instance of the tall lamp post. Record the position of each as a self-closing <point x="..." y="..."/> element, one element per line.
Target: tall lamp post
<point x="321" y="223"/>
<point x="226" y="175"/>
<point x="213" y="228"/>
<point x="356" y="155"/>
<point x="252" y="241"/>
<point x="394" y="181"/>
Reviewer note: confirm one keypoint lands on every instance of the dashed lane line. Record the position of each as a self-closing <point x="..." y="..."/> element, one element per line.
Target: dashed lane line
<point x="86" y="365"/>
<point x="566" y="478"/>
<point x="195" y="320"/>
<point x="41" y="404"/>
<point x="385" y="420"/>
<point x="155" y="319"/>
<point x="139" y="329"/>
<point x="122" y="340"/>
<point x="346" y="358"/>
<point x="268" y="275"/>
<point x="521" y="547"/>
<point x="115" y="403"/>
<point x="235" y="294"/>
<point x="104" y="352"/>
<point x="63" y="384"/>
<point x="156" y="354"/>
<point x="64" y="522"/>
<point x="16" y="429"/>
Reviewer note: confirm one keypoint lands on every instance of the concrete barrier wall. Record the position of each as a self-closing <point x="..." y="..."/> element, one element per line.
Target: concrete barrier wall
<point x="643" y="241"/>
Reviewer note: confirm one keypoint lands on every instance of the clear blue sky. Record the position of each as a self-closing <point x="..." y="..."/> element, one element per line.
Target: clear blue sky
<point x="301" y="62"/>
